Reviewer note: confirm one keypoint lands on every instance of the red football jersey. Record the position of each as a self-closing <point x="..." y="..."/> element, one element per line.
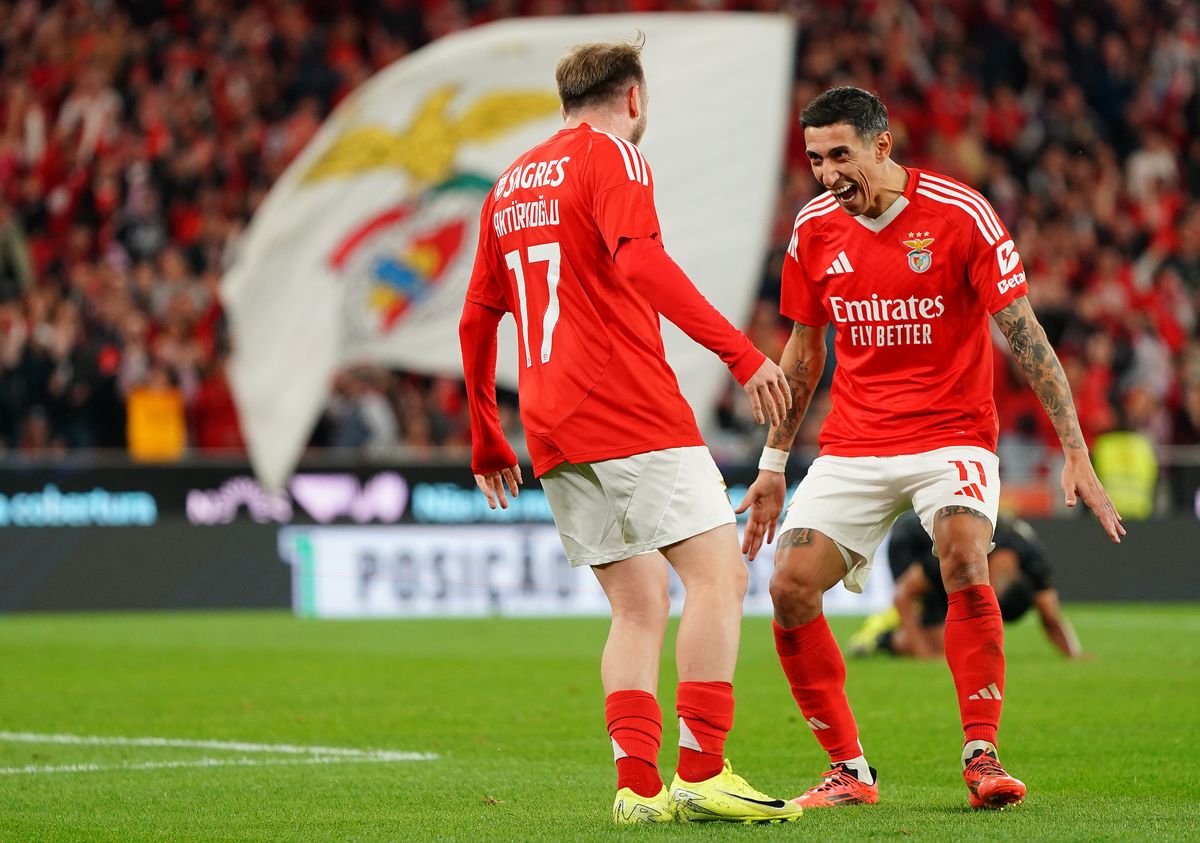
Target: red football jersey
<point x="910" y="294"/>
<point x="594" y="379"/>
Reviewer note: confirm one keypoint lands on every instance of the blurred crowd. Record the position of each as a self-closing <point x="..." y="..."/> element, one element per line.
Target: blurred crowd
<point x="137" y="138"/>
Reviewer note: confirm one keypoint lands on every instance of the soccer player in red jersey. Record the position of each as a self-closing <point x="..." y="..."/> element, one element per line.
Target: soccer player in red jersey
<point x="570" y="245"/>
<point x="908" y="265"/>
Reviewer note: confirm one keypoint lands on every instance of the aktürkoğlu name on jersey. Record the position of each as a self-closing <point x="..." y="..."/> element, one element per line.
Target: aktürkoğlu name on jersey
<point x="910" y="295"/>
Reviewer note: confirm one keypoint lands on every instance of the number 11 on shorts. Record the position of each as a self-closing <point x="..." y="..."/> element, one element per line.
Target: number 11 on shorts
<point x="970" y="490"/>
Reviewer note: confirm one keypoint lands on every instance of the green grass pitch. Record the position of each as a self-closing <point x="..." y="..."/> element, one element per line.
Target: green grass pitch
<point x="513" y="710"/>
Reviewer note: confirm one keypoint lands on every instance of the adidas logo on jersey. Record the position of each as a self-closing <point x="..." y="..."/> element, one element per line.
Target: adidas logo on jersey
<point x="840" y="266"/>
<point x="991" y="692"/>
<point x="816" y="725"/>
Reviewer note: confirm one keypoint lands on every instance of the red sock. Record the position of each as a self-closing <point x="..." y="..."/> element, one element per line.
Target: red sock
<point x="975" y="652"/>
<point x="635" y="726"/>
<point x="816" y="671"/>
<point x="705" y="717"/>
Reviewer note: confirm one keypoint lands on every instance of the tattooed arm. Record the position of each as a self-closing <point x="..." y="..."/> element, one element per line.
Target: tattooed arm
<point x="802" y="362"/>
<point x="1045" y="374"/>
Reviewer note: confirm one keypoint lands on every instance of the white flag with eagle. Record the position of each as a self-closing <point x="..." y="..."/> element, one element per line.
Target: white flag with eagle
<point x="363" y="248"/>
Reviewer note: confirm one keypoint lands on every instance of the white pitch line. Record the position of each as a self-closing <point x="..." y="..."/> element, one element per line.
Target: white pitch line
<point x="231" y="746"/>
<point x="216" y="762"/>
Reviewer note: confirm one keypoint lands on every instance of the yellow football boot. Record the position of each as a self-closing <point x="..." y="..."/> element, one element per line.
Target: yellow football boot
<point x="865" y="640"/>
<point x="631" y="809"/>
<point x="726" y="797"/>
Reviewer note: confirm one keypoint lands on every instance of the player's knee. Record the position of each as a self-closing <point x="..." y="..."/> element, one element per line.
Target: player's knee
<point x="649" y="606"/>
<point x="963" y="564"/>
<point x="739" y="580"/>
<point x="725" y="581"/>
<point x="647" y="610"/>
<point x="795" y="596"/>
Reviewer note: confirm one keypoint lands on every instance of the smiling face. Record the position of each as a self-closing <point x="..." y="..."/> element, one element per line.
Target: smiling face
<point x="851" y="168"/>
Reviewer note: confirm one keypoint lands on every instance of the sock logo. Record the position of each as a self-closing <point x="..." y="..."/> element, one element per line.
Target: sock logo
<point x="816" y="725"/>
<point x="991" y="692"/>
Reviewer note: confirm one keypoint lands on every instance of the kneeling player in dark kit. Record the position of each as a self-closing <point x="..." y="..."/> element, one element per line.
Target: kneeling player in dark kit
<point x="1019" y="571"/>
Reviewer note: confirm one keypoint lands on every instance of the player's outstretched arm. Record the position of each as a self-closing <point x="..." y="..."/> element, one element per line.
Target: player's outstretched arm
<point x="671" y="293"/>
<point x="1055" y="624"/>
<point x="492" y="459"/>
<point x="802" y="362"/>
<point x="1037" y="360"/>
<point x="911" y="589"/>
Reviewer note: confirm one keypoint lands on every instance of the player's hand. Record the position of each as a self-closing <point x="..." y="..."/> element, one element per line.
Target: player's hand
<point x="769" y="392"/>
<point x="1079" y="480"/>
<point x="764" y="499"/>
<point x="493" y="482"/>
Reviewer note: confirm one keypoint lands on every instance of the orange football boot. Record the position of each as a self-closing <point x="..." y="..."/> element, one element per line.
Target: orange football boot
<point x="989" y="784"/>
<point x="840" y="787"/>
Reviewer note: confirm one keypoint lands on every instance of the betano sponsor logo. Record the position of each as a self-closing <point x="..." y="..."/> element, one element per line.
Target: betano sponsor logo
<point x="52" y="507"/>
<point x="1011" y="283"/>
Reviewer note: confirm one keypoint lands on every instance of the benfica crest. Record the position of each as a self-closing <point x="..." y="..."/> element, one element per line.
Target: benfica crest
<point x="919" y="256"/>
<point x="393" y="261"/>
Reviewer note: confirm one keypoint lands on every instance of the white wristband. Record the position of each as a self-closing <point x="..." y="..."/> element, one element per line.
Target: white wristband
<point x="773" y="459"/>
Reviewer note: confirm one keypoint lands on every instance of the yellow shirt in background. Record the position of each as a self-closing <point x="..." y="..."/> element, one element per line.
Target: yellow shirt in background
<point x="1127" y="466"/>
<point x="155" y="425"/>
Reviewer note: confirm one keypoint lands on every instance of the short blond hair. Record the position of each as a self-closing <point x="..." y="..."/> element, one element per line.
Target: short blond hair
<point x="598" y="73"/>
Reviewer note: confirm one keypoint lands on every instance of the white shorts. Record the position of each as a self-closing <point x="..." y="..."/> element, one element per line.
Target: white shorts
<point x="614" y="509"/>
<point x="854" y="500"/>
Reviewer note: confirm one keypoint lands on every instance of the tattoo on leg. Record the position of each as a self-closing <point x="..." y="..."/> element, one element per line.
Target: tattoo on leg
<point x="795" y="538"/>
<point x="947" y="511"/>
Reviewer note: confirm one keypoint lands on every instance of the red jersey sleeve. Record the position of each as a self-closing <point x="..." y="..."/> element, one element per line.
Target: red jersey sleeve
<point x="798" y="298"/>
<point x="671" y="293"/>
<point x="622" y="191"/>
<point x="490" y="451"/>
<point x="993" y="265"/>
<point x="485" y="287"/>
